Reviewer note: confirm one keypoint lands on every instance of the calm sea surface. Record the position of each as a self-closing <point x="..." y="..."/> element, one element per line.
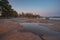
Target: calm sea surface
<point x="55" y="18"/>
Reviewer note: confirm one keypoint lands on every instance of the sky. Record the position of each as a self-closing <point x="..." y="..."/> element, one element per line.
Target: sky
<point x="41" y="7"/>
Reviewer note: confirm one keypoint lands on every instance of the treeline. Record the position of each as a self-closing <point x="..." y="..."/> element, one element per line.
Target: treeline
<point x="6" y="9"/>
<point x="29" y="15"/>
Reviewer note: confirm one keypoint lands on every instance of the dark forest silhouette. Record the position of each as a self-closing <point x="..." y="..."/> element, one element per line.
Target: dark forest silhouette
<point x="7" y="11"/>
<point x="29" y="15"/>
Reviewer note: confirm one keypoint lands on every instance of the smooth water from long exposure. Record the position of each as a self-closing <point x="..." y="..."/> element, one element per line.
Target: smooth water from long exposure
<point x="39" y="30"/>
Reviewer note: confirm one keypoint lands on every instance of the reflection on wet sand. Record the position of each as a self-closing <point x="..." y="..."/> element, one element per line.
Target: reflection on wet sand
<point x="41" y="31"/>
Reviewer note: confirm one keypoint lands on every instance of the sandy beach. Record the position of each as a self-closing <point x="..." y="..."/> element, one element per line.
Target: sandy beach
<point x="13" y="31"/>
<point x="10" y="29"/>
<point x="52" y="24"/>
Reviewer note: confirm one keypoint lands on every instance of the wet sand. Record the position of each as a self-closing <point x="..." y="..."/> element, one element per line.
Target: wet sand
<point x="22" y="36"/>
<point x="53" y="25"/>
<point x="12" y="26"/>
<point x="44" y="32"/>
<point x="13" y="31"/>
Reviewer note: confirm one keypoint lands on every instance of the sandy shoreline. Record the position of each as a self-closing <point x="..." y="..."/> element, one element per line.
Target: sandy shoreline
<point x="55" y="26"/>
<point x="12" y="31"/>
<point x="13" y="26"/>
<point x="52" y="25"/>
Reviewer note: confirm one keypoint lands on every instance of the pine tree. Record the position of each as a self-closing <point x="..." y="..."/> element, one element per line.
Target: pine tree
<point x="6" y="9"/>
<point x="4" y="4"/>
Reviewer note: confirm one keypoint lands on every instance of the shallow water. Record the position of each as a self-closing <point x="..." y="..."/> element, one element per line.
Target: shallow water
<point x="40" y="30"/>
<point x="55" y="18"/>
